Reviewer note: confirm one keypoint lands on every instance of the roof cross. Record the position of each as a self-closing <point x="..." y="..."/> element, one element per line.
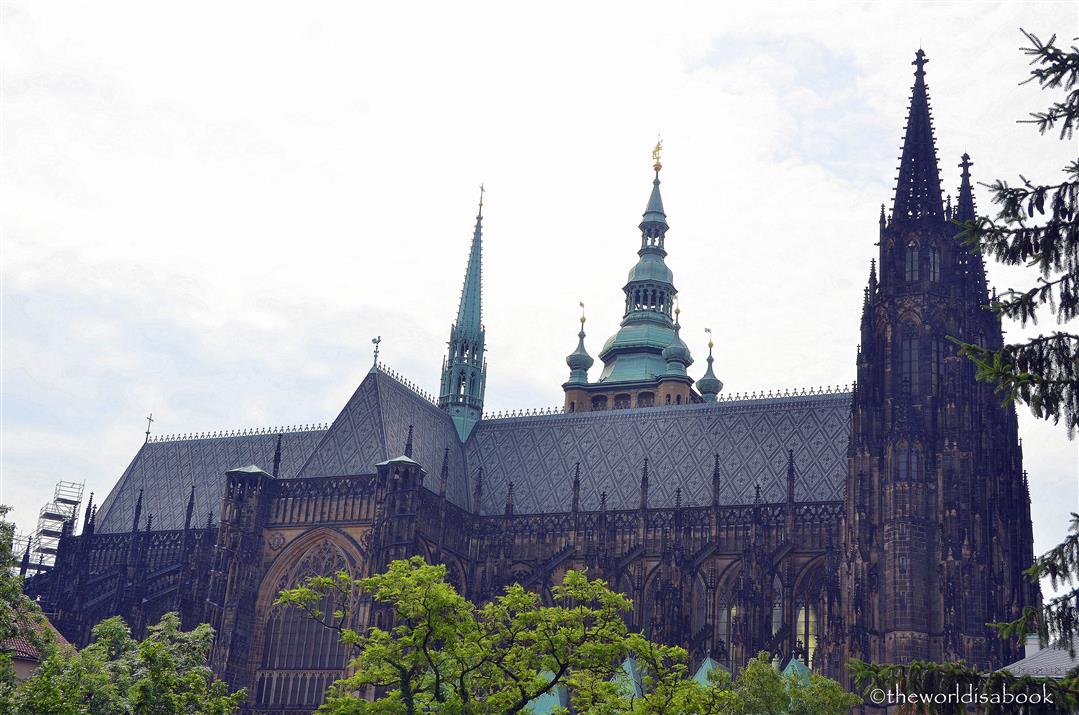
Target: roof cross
<point x="375" y="341"/>
<point x="149" y="420"/>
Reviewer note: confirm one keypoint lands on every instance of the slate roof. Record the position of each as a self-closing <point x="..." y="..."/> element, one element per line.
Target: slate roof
<point x="536" y="453"/>
<point x="165" y="471"/>
<point x="752" y="437"/>
<point x="372" y="427"/>
<point x="1051" y="662"/>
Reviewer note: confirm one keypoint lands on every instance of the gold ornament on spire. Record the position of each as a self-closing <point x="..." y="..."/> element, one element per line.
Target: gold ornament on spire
<point x="710" y="343"/>
<point x="581" y="303"/>
<point x="655" y="155"/>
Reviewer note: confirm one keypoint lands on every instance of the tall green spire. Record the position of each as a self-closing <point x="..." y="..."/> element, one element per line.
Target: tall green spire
<point x="464" y="371"/>
<point x="635" y="353"/>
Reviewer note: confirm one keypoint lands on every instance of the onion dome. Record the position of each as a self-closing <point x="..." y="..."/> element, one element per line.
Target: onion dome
<point x="709" y="386"/>
<point x="579" y="360"/>
<point x="677" y="353"/>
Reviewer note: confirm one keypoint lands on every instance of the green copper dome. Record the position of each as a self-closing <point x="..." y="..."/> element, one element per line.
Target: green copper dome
<point x="709" y="385"/>
<point x="651" y="268"/>
<point x="677" y="354"/>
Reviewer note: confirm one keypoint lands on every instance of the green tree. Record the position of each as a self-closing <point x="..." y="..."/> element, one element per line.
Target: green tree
<point x="164" y="674"/>
<point x="1037" y="225"/>
<point x="19" y="616"/>
<point x="442" y="653"/>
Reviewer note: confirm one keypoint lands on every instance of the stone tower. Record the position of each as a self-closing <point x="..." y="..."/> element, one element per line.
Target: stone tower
<point x="937" y="525"/>
<point x="464" y="371"/>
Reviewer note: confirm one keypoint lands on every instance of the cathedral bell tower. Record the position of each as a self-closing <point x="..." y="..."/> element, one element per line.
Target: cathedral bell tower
<point x="464" y="370"/>
<point x="644" y="363"/>
<point x="937" y="525"/>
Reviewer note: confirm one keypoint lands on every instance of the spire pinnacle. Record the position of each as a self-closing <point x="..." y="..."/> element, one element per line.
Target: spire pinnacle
<point x="917" y="193"/>
<point x="709" y="385"/>
<point x="966" y="211"/>
<point x="464" y="371"/>
<point x="579" y="360"/>
<point x="654" y="222"/>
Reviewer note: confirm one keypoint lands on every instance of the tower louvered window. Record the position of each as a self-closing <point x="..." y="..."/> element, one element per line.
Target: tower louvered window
<point x="934" y="264"/>
<point x="911" y="262"/>
<point x="908" y="362"/>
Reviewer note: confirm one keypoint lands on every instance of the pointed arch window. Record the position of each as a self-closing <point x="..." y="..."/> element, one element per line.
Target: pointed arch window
<point x="908" y="361"/>
<point x="908" y="464"/>
<point x="934" y="264"/>
<point x="911" y="262"/>
<point x="936" y="363"/>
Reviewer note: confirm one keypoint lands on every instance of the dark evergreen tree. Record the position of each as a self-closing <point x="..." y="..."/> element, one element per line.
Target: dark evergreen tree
<point x="1037" y="225"/>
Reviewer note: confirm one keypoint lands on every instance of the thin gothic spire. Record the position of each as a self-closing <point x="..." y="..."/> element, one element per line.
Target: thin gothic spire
<point x="917" y="193"/>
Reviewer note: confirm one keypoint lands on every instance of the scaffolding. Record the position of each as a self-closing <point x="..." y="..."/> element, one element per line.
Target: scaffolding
<point x="63" y="508"/>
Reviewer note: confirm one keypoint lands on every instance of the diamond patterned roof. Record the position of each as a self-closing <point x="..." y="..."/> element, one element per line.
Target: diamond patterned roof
<point x="373" y="427"/>
<point x="166" y="470"/>
<point x="537" y="454"/>
<point x="752" y="437"/>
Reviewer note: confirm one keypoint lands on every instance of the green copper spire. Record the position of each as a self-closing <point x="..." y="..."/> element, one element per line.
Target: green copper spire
<point x="709" y="386"/>
<point x="635" y="353"/>
<point x="579" y="360"/>
<point x="464" y="371"/>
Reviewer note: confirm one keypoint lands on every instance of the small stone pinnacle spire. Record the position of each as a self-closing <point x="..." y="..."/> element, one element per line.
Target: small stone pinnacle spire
<point x="965" y="211"/>
<point x="477" y="492"/>
<point x="138" y="512"/>
<point x="644" y="486"/>
<point x="88" y="513"/>
<point x="509" y="499"/>
<point x="24" y="566"/>
<point x="190" y="508"/>
<point x="872" y="275"/>
<point x="790" y="476"/>
<point x="715" y="481"/>
<point x="276" y="457"/>
<point x="444" y="475"/>
<point x="408" y="442"/>
<point x="576" y="488"/>
<point x="918" y="193"/>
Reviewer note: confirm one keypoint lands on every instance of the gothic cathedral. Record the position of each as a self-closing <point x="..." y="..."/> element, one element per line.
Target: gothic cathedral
<point x="890" y="522"/>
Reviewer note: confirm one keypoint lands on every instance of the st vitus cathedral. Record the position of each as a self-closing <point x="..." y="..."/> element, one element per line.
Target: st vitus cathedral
<point x="889" y="522"/>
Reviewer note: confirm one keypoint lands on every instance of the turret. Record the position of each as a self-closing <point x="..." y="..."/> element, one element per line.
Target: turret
<point x="709" y="385"/>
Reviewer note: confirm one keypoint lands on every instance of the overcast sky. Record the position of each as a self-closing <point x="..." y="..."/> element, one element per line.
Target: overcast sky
<point x="209" y="209"/>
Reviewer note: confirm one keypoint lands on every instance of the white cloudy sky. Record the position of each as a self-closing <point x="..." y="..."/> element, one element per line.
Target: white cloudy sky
<point x="210" y="208"/>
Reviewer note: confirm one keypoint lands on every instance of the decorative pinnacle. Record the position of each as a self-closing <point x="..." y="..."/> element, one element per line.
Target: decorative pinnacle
<point x="581" y="303"/>
<point x="480" y="214"/>
<point x="920" y="62"/>
<point x="655" y="154"/>
<point x="710" y="343"/>
<point x="375" y="341"/>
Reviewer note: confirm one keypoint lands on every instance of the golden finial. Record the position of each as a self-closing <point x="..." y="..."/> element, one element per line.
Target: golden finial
<point x="581" y="303"/>
<point x="655" y="154"/>
<point x="677" y="310"/>
<point x="710" y="343"/>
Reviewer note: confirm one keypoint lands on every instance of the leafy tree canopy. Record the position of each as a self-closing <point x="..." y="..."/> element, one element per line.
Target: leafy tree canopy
<point x="165" y="674"/>
<point x="438" y="652"/>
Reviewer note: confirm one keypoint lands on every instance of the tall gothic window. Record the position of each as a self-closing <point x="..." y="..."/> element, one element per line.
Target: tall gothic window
<point x="806" y="631"/>
<point x="934" y="264"/>
<point x="908" y="361"/>
<point x="908" y="465"/>
<point x="300" y="657"/>
<point x="911" y="262"/>
<point x="936" y="363"/>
